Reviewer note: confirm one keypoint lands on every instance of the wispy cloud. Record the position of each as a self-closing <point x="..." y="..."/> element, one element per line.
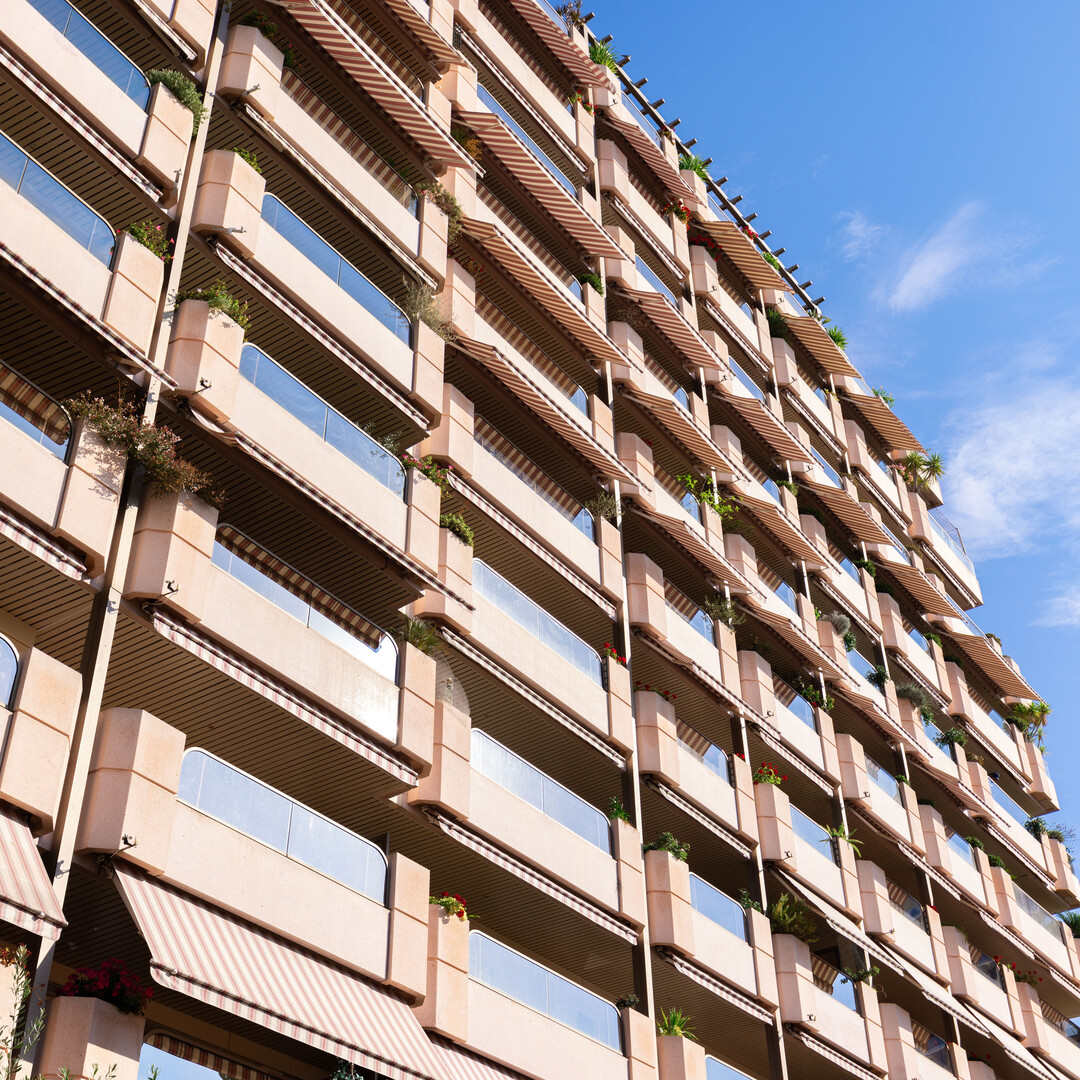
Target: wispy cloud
<point x="1063" y="610"/>
<point x="860" y="236"/>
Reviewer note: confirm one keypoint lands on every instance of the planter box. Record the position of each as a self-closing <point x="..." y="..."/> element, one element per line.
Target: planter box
<point x="417" y="707"/>
<point x="134" y="292"/>
<point x="445" y="1008"/>
<point x="204" y="358"/>
<point x="451" y="439"/>
<point x="85" y="1036"/>
<point x="427" y="374"/>
<point x="447" y="784"/>
<point x="169" y="126"/>
<point x="667" y="888"/>
<point x="252" y="67"/>
<point x="774" y="824"/>
<point x="228" y="201"/>
<point x="680" y="1059"/>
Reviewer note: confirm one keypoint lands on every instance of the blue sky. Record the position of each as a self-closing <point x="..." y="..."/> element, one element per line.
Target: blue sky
<point x="920" y="163"/>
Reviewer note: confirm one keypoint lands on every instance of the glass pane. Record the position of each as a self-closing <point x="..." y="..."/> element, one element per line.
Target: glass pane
<point x="382" y="660"/>
<point x="56" y="11"/>
<point x="508" y="971"/>
<point x="284" y="222"/>
<point x="12" y="163"/>
<point x="812" y="833"/>
<point x="66" y="210"/>
<point x="583" y="521"/>
<point x="338" y="853"/>
<point x="987" y="966"/>
<point x="291" y="394"/>
<point x="843" y="991"/>
<point x="585" y="1012"/>
<point x="802" y="709"/>
<point x="717" y="1070"/>
<point x="718" y="907"/>
<point x="237" y="800"/>
<point x="959" y="846"/>
<point x="364" y="451"/>
<point x="9" y="670"/>
<point x="270" y="590"/>
<point x="104" y="55"/>
<point x="881" y="779"/>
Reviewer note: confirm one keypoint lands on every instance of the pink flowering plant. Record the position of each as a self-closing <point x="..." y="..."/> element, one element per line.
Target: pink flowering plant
<point x="111" y="982"/>
<point x="152" y="236"/>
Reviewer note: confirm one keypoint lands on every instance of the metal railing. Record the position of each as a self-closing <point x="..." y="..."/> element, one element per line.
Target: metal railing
<point x="1008" y="804"/>
<point x="331" y="426"/>
<point x="238" y="800"/>
<point x="955" y="543"/>
<point x="310" y="244"/>
<point x="57" y="202"/>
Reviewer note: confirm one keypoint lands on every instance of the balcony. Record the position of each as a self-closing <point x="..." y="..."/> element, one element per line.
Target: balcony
<point x="97" y="79"/>
<point x="537" y="647"/>
<point x="727" y="939"/>
<point x="912" y="1050"/>
<point x="1012" y="818"/>
<point x="967" y="867"/>
<point x="978" y="979"/>
<point x="532" y="815"/>
<point x="815" y="856"/>
<point x="873" y="788"/>
<point x="691" y="632"/>
<point x="63" y="478"/>
<point x="800" y="727"/>
<point x="528" y="1018"/>
<point x="1049" y="1033"/>
<point x="897" y="916"/>
<point x="199" y="819"/>
<point x="1019" y="912"/>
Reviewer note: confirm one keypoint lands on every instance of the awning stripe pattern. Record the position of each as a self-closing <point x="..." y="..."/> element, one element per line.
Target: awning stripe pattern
<point x="765" y="423"/>
<point x="619" y="116"/>
<point x="715" y="986"/>
<point x="217" y="958"/>
<point x="26" y="894"/>
<point x="827" y="1052"/>
<point x="29" y="538"/>
<point x="347" y="49"/>
<point x="199" y="1055"/>
<point x="493" y="853"/>
<point x="672" y="325"/>
<point x="815" y="339"/>
<point x="462" y="1064"/>
<point x="24" y="399"/>
<point x="568" y="50"/>
<point x="740" y="249"/>
<point x="697" y="547"/>
<point x="229" y="663"/>
<point x="893" y="431"/>
<point x="691" y="811"/>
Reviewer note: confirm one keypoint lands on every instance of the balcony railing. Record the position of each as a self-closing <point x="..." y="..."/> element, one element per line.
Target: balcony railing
<point x="900" y="549"/>
<point x="298" y="596"/>
<point x="830" y="473"/>
<point x="919" y="639"/>
<point x="883" y="780"/>
<point x="1037" y="912"/>
<point x="810" y="832"/>
<point x="931" y="1046"/>
<point x="331" y="426"/>
<point x="986" y="966"/>
<point x="745" y="381"/>
<point x="528" y="783"/>
<point x="89" y="229"/>
<point x="645" y="123"/>
<point x="834" y="983"/>
<point x="511" y="458"/>
<point x="951" y="535"/>
<point x="555" y="16"/>
<point x="34" y="413"/>
<point x="686" y="499"/>
<point x="962" y="849"/>
<point x="689" y="612"/>
<point x="248" y="805"/>
<point x="1008" y="804"/>
<point x="717" y="1070"/>
<point x="524" y="980"/>
<point x="786" y="593"/>
<point x="310" y="244"/>
<point x="906" y="904"/>
<point x="489" y="103"/>
<point x="863" y="666"/>
<point x="654" y="281"/>
<point x="532" y="618"/>
<point x="711" y="756"/>
<point x="718" y="907"/>
<point x="850" y="569"/>
<point x="96" y="47"/>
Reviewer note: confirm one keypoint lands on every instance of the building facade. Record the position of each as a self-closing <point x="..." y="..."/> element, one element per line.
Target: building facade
<point x="522" y="536"/>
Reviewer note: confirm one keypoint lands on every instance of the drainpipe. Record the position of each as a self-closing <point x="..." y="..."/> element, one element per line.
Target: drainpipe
<point x="106" y="607"/>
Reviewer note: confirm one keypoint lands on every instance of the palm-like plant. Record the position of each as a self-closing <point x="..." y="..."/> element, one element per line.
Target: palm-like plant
<point x="837" y="335"/>
<point x="601" y="53"/>
<point x="695" y="163"/>
<point x="675" y="1022"/>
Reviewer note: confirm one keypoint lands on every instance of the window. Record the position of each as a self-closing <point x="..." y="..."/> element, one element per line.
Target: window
<point x="9" y="672"/>
<point x="240" y="801"/>
<point x="503" y="969"/>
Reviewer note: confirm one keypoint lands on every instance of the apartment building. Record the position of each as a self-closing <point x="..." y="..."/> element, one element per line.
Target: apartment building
<point x="533" y="523"/>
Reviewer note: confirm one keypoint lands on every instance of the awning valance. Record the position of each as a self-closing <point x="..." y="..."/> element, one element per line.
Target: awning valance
<point x="26" y="894"/>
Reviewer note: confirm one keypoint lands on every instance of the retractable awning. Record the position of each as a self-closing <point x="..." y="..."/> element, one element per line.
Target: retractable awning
<point x="741" y="250"/>
<point x="26" y="894"/>
<point x="815" y="339"/>
<point x="764" y="422"/>
<point x="620" y="118"/>
<point x="715" y="986"/>
<point x="672" y="325"/>
<point x="218" y="958"/>
<point x="889" y="427"/>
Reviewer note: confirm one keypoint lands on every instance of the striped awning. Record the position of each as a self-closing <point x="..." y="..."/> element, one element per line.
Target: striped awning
<point x="208" y="1059"/>
<point x="765" y="424"/>
<point x="462" y="1064"/>
<point x="1020" y="1054"/>
<point x="892" y="431"/>
<point x="229" y="663"/>
<point x="26" y="894"/>
<point x="541" y="185"/>
<point x="514" y="376"/>
<point x="814" y="338"/>
<point x="439" y="50"/>
<point x="26" y="400"/>
<point x="535" y="546"/>
<point x="822" y="1049"/>
<point x="672" y="325"/>
<point x="714" y="985"/>
<point x="697" y="547"/>
<point x="845" y="507"/>
<point x="536" y="878"/>
<point x="795" y="636"/>
<point x="677" y="423"/>
<point x="27" y="536"/>
<point x="218" y="958"/>
<point x="575" y="727"/>
<point x="568" y="50"/>
<point x="621" y="118"/>
<point x="535" y="279"/>
<point x="988" y="659"/>
<point x="772" y="517"/>
<point x="279" y="301"/>
<point x="374" y="76"/>
<point x="87" y="132"/>
<point x="698" y="815"/>
<point x="915" y="581"/>
<point x="742" y="251"/>
<point x="772" y="738"/>
<point x="750" y="347"/>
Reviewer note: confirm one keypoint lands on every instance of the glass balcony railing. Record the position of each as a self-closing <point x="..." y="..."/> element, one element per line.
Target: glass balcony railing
<point x="919" y="639"/>
<point x="952" y="541"/>
<point x="96" y="47"/>
<point x="688" y="501"/>
<point x="810" y="832"/>
<point x="532" y="618"/>
<point x="528" y="783"/>
<point x="900" y="549"/>
<point x="654" y="281"/>
<point x="243" y="803"/>
<point x="89" y="229"/>
<point x="692" y="615"/>
<point x="962" y="849"/>
<point x="863" y="666"/>
<point x="1037" y="912"/>
<point x="933" y="732"/>
<point x="533" y="985"/>
<point x="745" y="381"/>
<point x="773" y="490"/>
<point x="801" y="709"/>
<point x="489" y="103"/>
<point x="718" y="907"/>
<point x="987" y="966"/>
<point x="830" y="473"/>
<point x="934" y="1048"/>
<point x="303" y="600"/>
<point x="883" y="781"/>
<point x="34" y="413"/>
<point x="710" y="755"/>
<point x="9" y="672"/>
<point x="906" y="904"/>
<point x="334" y="429"/>
<point x="715" y="1069"/>
<point x="644" y="122"/>
<point x="1008" y="804"/>
<point x="851" y="570"/>
<point x="787" y="594"/>
<point x="310" y="244"/>
<point x="834" y="983"/>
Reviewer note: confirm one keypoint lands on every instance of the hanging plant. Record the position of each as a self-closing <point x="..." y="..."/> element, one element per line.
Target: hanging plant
<point x="680" y="211"/>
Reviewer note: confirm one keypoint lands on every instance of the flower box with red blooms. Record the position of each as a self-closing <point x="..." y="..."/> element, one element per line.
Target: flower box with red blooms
<point x="765" y="773"/>
<point x="112" y="982"/>
<point x="667" y="695"/>
<point x="1031" y="976"/>
<point x="429" y="467"/>
<point x="679" y="210"/>
<point x="609" y="651"/>
<point x="453" y="905"/>
<point x="708" y="243"/>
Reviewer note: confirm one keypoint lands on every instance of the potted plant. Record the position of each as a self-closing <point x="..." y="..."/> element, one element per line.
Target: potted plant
<point x="679" y="1055"/>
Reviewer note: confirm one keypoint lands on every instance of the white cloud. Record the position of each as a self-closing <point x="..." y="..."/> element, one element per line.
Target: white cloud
<point x="1063" y="610"/>
<point x="931" y="267"/>
<point x="859" y="236"/>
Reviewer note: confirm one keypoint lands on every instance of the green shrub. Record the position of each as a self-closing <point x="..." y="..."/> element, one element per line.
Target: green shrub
<point x="181" y="88"/>
<point x="458" y="526"/>
<point x="595" y="280"/>
<point x="789" y="915"/>
<point x="603" y="54"/>
<point x="249" y="156"/>
<point x="667" y="842"/>
<point x="218" y="296"/>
